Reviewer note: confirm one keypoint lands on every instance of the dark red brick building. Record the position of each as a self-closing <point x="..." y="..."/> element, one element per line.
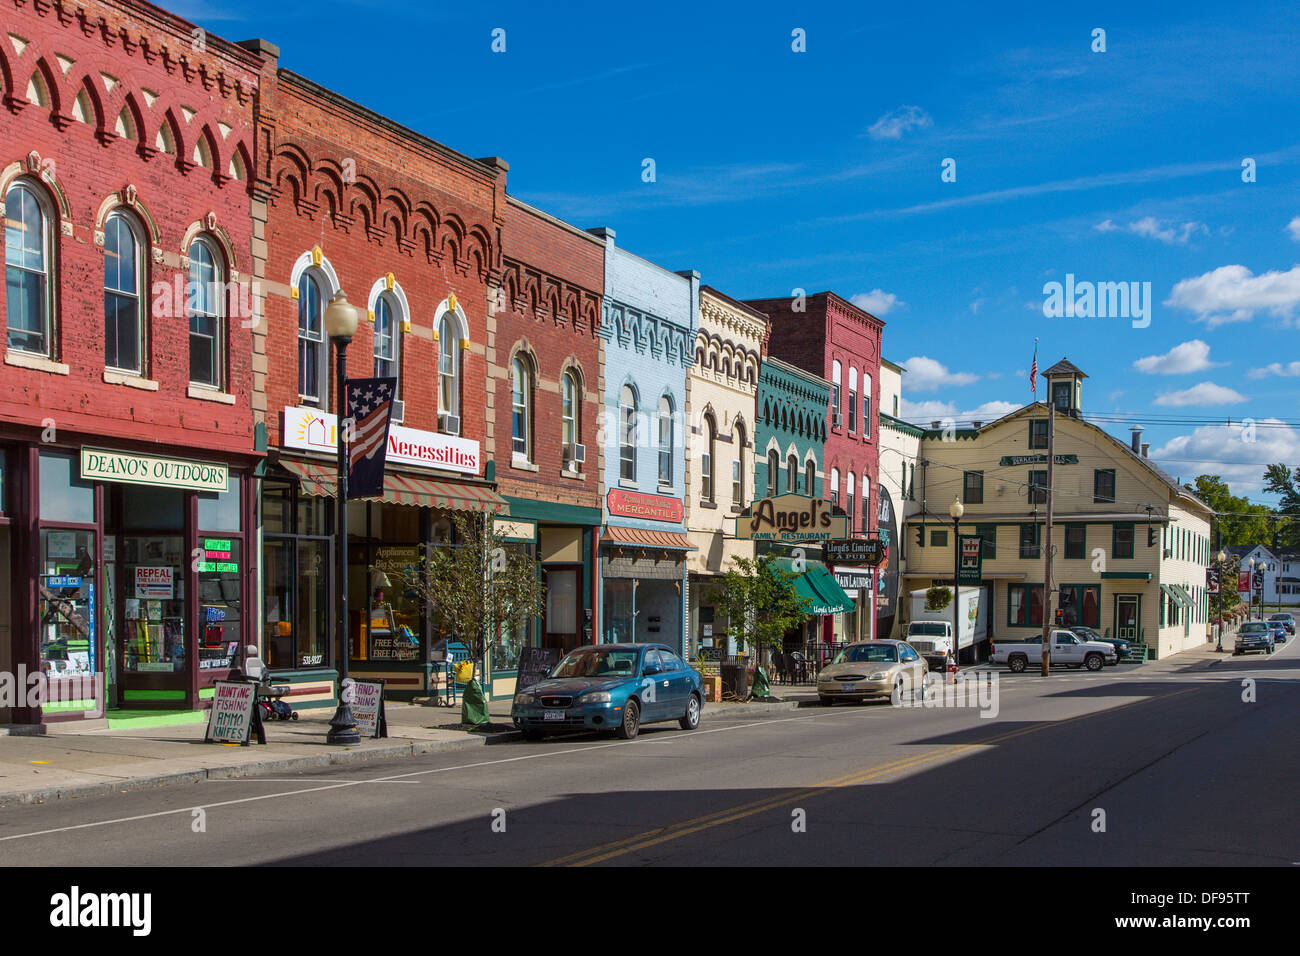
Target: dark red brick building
<point x="127" y="446"/>
<point x="831" y="337"/>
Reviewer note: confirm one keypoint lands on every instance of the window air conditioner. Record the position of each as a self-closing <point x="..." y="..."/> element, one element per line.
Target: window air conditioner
<point x="448" y="423"/>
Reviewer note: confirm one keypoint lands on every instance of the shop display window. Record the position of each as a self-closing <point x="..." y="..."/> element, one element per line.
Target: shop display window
<point x="222" y="511"/>
<point x="220" y="587"/>
<point x="67" y="603"/>
<point x="64" y="495"/>
<point x="152" y="631"/>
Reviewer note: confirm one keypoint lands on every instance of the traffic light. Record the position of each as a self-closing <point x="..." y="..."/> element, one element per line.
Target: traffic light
<point x="1151" y="537"/>
<point x="920" y="537"/>
<point x="1060" y="617"/>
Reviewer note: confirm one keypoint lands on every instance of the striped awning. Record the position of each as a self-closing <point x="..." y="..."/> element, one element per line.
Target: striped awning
<point x="403" y="489"/>
<point x="641" y="538"/>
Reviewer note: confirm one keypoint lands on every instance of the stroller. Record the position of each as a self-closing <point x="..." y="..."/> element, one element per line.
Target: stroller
<point x="270" y="697"/>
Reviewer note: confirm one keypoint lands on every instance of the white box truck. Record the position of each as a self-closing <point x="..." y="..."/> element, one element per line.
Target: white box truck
<point x="930" y="631"/>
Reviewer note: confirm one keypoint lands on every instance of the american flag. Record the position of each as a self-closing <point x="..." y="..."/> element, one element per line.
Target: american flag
<point x="1033" y="372"/>
<point x="370" y="404"/>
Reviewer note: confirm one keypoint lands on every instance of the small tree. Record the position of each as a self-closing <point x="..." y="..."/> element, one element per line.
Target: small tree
<point x="760" y="602"/>
<point x="1227" y="599"/>
<point x="475" y="587"/>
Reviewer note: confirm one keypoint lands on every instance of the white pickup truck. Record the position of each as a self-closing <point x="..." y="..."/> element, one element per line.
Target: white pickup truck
<point x="1067" y="649"/>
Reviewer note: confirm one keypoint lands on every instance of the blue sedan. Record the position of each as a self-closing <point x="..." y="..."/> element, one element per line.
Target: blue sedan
<point x="611" y="687"/>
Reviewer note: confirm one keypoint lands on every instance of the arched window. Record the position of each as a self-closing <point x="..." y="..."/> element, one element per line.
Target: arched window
<point x="627" y="434"/>
<point x="866" y="503"/>
<point x="388" y="342"/>
<point x="773" y="473"/>
<point x="521" y="410"/>
<point x="207" y="311"/>
<point x="123" y="281"/>
<point x="853" y="399"/>
<point x="810" y="477"/>
<point x="28" y="253"/>
<point x="835" y="394"/>
<point x="570" y="419"/>
<point x="708" y="458"/>
<point x="792" y="473"/>
<point x="448" y="376"/>
<point x="738" y="468"/>
<point x="665" y="440"/>
<point x="835" y="486"/>
<point x="313" y="350"/>
<point x="850" y="499"/>
<point x="866" y="405"/>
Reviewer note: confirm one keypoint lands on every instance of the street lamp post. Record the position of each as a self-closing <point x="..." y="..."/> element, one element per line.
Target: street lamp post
<point x="340" y="326"/>
<point x="956" y="510"/>
<point x="1218" y="624"/>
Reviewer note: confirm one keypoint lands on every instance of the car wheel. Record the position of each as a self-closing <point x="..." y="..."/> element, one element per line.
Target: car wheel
<point x="1094" y="662"/>
<point x="532" y="733"/>
<point x="1017" y="664"/>
<point x="898" y="689"/>
<point x="826" y="701"/>
<point x="631" y="719"/>
<point x="692" y="718"/>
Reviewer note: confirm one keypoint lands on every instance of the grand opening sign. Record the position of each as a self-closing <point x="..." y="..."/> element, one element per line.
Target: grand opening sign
<point x="791" y="517"/>
<point x="313" y="430"/>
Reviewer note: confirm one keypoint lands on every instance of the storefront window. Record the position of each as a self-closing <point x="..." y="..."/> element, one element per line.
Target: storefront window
<point x="67" y="603"/>
<point x="154" y="509"/>
<point x="220" y="601"/>
<point x="618" y="610"/>
<point x="394" y="631"/>
<point x="153" y="620"/>
<point x="64" y="496"/>
<point x="220" y="511"/>
<point x="296" y="578"/>
<point x="1080" y="605"/>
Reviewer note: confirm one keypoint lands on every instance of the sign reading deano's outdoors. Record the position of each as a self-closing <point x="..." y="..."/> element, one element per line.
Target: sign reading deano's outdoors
<point x="98" y="464"/>
<point x="791" y="517"/>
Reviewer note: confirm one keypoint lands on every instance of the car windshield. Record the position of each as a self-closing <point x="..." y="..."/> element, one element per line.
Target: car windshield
<point x="928" y="629"/>
<point x="597" y="662"/>
<point x="1253" y="628"/>
<point x="875" y="653"/>
<point x="1280" y="618"/>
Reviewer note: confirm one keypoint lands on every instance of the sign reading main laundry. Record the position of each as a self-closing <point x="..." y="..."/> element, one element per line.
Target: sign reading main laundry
<point x="313" y="430"/>
<point x="99" y="464"/>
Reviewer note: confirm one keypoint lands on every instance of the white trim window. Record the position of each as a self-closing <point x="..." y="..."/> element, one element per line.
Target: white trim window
<point x="448" y="372"/>
<point x="707" y="459"/>
<point x="738" y="468"/>
<point x="206" y="310"/>
<point x="313" y="350"/>
<point x="773" y="472"/>
<point x="388" y="343"/>
<point x="810" y="477"/>
<point x="849" y="501"/>
<point x="665" y="440"/>
<point x="570" y="415"/>
<point x="627" y="434"/>
<point x="28" y="253"/>
<point x="123" y="280"/>
<point x="835" y="486"/>
<point x="835" y="394"/>
<point x="521" y="402"/>
<point x="866" y="405"/>
<point x="792" y="474"/>
<point x="853" y="399"/>
<point x="866" y="503"/>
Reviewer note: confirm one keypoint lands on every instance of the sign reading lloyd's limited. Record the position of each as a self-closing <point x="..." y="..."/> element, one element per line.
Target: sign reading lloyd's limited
<point x="99" y="464"/>
<point x="313" y="430"/>
<point x="632" y="504"/>
<point x="868" y="551"/>
<point x="791" y="517"/>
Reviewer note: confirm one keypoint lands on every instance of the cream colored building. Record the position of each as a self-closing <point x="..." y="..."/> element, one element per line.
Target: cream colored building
<point x="899" y="444"/>
<point x="720" y="400"/>
<point x="1131" y="544"/>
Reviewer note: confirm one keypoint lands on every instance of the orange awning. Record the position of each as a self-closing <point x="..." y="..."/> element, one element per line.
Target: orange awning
<point x="403" y="489"/>
<point x="639" y="538"/>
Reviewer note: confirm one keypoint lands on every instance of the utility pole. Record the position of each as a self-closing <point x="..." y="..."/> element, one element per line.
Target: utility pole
<point x="1047" y="543"/>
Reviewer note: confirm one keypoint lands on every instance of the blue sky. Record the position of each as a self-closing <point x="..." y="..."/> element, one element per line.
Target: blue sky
<point x="777" y="170"/>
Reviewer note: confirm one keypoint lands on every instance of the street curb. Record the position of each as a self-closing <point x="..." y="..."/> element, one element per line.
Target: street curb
<point x="408" y="748"/>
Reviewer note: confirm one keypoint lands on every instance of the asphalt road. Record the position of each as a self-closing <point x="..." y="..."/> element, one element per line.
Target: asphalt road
<point x="1173" y="762"/>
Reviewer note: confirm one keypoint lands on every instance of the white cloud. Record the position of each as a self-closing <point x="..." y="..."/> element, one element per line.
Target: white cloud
<point x="902" y="120"/>
<point x="1293" y="227"/>
<point x="1236" y="453"/>
<point x="925" y="375"/>
<point x="1162" y="230"/>
<point x="878" y="302"/>
<point x="924" y="413"/>
<point x="1206" y="393"/>
<point x="1290" y="369"/>
<point x="975" y="306"/>
<point x="1235" y="294"/>
<point x="1193" y="356"/>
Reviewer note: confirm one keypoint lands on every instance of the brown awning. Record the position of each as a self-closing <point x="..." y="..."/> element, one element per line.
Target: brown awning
<point x="403" y="489"/>
<point x="638" y="538"/>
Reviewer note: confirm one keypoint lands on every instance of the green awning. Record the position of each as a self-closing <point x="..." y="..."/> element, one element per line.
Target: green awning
<point x="818" y="586"/>
<point x="1177" y="595"/>
<point x="1189" y="602"/>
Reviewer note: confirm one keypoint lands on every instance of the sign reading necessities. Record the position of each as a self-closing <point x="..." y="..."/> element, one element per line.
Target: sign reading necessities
<point x="865" y="551"/>
<point x="98" y="464"/>
<point x="231" y="719"/>
<point x="313" y="430"/>
<point x="791" y="517"/>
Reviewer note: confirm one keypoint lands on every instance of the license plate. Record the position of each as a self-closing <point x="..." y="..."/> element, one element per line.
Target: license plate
<point x="552" y="715"/>
<point x="847" y="686"/>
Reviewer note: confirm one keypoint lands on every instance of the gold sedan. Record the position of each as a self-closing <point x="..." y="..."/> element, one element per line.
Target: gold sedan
<point x="871" y="670"/>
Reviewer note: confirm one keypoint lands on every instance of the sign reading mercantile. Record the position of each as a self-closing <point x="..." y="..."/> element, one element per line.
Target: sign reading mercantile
<point x="1037" y="460"/>
<point x="133" y="468"/>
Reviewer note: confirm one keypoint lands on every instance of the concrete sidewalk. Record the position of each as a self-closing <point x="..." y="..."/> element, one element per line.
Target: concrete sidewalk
<point x="77" y="761"/>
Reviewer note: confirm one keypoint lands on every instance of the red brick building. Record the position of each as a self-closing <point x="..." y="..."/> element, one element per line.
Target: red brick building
<point x="544" y="408"/>
<point x="831" y="337"/>
<point x="126" y="443"/>
<point x="346" y="199"/>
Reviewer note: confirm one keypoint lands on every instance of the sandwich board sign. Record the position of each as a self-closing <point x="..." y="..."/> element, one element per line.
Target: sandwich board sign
<point x="234" y="713"/>
<point x="365" y="698"/>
